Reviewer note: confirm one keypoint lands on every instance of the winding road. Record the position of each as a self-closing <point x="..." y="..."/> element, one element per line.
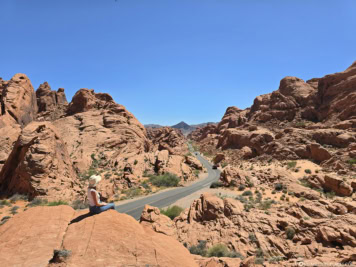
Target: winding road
<point x="166" y="198"/>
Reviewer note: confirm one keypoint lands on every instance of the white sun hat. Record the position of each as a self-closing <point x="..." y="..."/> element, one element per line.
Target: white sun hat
<point x="94" y="180"/>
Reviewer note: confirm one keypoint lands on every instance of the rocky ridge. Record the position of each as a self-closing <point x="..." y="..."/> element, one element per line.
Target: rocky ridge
<point x="48" y="145"/>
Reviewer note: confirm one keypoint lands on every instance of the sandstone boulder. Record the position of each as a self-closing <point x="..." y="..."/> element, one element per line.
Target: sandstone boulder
<point x="114" y="239"/>
<point x="107" y="239"/>
<point x="51" y="104"/>
<point x="18" y="99"/>
<point x="39" y="165"/>
<point x="318" y="153"/>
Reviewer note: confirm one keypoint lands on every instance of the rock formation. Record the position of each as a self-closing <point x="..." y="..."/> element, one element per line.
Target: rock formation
<point x="51" y="104"/>
<point x="50" y="236"/>
<point x="303" y="229"/>
<point x="39" y="165"/>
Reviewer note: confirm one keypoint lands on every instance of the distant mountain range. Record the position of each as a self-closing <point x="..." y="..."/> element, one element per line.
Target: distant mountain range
<point x="184" y="127"/>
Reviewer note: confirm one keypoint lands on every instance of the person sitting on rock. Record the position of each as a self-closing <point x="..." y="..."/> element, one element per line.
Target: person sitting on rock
<point x="95" y="205"/>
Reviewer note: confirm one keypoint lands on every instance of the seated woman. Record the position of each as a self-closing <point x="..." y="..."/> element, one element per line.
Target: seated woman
<point x="95" y="205"/>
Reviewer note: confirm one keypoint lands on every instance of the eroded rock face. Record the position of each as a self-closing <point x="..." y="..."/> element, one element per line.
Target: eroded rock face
<point x="232" y="118"/>
<point x="167" y="138"/>
<point x="337" y="95"/>
<point x="107" y="239"/>
<point x="115" y="239"/>
<point x="39" y="165"/>
<point x="36" y="232"/>
<point x="18" y="99"/>
<point x="305" y="229"/>
<point x="51" y="104"/>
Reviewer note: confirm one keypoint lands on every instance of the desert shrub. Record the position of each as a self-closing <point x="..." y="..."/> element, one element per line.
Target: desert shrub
<point x="278" y="187"/>
<point x="224" y="164"/>
<point x="17" y="197"/>
<point x="259" y="261"/>
<point x="308" y="171"/>
<point x="199" y="249"/>
<point x="167" y="180"/>
<point x="14" y="209"/>
<point x="60" y="255"/>
<point x="145" y="185"/>
<point x="4" y="219"/>
<point x="242" y="187"/>
<point x="351" y="161"/>
<point x="291" y="164"/>
<point x="252" y="237"/>
<point x="275" y="259"/>
<point x="135" y="162"/>
<point x="247" y="193"/>
<point x="57" y="203"/>
<point x="132" y="192"/>
<point x="265" y="205"/>
<point x="218" y="250"/>
<point x="330" y="195"/>
<point x="172" y="212"/>
<point x="5" y="202"/>
<point x="196" y="173"/>
<point x="216" y="184"/>
<point x="284" y="191"/>
<point x="38" y="202"/>
<point x="78" y="205"/>
<point x="290" y="232"/>
<point x="248" y="206"/>
<point x="274" y="192"/>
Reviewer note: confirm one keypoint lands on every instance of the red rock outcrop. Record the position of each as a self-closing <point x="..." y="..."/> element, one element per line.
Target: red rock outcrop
<point x="51" y="104"/>
<point x="18" y="99"/>
<point x="305" y="229"/>
<point x="39" y="165"/>
<point x="107" y="239"/>
<point x="167" y="138"/>
<point x="337" y="95"/>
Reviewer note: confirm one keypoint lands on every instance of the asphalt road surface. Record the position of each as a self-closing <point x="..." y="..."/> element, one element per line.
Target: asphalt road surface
<point x="166" y="198"/>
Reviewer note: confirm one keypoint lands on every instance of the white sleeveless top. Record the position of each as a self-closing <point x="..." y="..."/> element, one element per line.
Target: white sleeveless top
<point x="90" y="197"/>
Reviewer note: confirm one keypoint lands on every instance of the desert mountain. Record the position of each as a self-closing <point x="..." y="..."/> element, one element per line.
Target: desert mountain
<point x="182" y="126"/>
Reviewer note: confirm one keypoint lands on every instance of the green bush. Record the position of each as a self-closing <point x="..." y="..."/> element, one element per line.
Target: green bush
<point x="278" y="187"/>
<point x="308" y="171"/>
<point x="167" y="180"/>
<point x="199" y="249"/>
<point x="17" y="197"/>
<point x="247" y="193"/>
<point x="265" y="205"/>
<point x="135" y="162"/>
<point x="38" y="202"/>
<point x="4" y="219"/>
<point x="218" y="250"/>
<point x="351" y="161"/>
<point x="291" y="164"/>
<point x="132" y="192"/>
<point x="57" y="203"/>
<point x="290" y="232"/>
<point x="172" y="212"/>
<point x="242" y="187"/>
<point x="14" y="209"/>
<point x="5" y="202"/>
<point x="78" y="205"/>
<point x="252" y="237"/>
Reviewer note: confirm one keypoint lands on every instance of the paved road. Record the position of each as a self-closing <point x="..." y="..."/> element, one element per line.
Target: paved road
<point x="167" y="198"/>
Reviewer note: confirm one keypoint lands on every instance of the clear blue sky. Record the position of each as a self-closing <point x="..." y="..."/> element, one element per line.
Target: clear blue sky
<point x="174" y="60"/>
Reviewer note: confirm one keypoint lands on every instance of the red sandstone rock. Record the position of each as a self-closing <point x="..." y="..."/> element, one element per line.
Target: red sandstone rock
<point x="39" y="165"/>
<point x="18" y="99"/>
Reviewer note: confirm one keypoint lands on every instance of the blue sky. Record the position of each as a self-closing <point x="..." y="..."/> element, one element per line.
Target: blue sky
<point x="174" y="60"/>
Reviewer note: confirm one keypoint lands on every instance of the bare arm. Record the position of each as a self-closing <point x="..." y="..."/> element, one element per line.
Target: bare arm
<point x="95" y="197"/>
